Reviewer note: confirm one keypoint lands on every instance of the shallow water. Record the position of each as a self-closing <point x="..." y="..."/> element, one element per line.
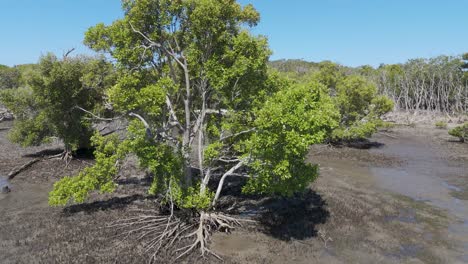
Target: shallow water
<point x="4" y="183"/>
<point x="425" y="176"/>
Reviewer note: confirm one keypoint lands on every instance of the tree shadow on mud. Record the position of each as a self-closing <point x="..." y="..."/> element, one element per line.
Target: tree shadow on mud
<point x="293" y="218"/>
<point x="283" y="218"/>
<point x="146" y="181"/>
<point x="44" y="152"/>
<point x="80" y="154"/>
<point x="110" y="204"/>
<point x="455" y="141"/>
<point x="359" y="144"/>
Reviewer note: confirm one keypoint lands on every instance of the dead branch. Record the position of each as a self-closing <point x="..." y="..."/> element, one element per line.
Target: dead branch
<point x="172" y="114"/>
<point x="65" y="56"/>
<point x="221" y="182"/>
<point x="65" y="155"/>
<point x="95" y="116"/>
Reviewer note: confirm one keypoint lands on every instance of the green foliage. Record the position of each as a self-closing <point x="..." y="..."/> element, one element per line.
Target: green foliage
<point x="353" y="98"/>
<point x="97" y="177"/>
<point x="32" y="127"/>
<point x="380" y="105"/>
<point x="329" y="74"/>
<point x="9" y="77"/>
<point x="460" y="132"/>
<point x="159" y="159"/>
<point x="360" y="108"/>
<point x="20" y="101"/>
<point x="358" y="130"/>
<point x="32" y="131"/>
<point x="47" y="106"/>
<point x="441" y="124"/>
<point x="173" y="190"/>
<point x="385" y="125"/>
<point x="167" y="168"/>
<point x="191" y="68"/>
<point x="288" y="123"/>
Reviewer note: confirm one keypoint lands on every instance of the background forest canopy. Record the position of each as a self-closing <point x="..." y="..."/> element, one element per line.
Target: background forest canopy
<point x="435" y="84"/>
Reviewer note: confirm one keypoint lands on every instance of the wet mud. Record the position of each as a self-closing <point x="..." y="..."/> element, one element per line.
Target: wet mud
<point x="403" y="200"/>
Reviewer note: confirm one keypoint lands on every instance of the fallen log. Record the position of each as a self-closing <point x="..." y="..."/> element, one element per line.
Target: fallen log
<point x="15" y="172"/>
<point x="63" y="156"/>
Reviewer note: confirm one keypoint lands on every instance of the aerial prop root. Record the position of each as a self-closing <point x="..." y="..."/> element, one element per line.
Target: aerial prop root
<point x="163" y="232"/>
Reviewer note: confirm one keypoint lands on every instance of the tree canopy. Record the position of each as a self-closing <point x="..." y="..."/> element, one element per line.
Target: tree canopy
<point x="204" y="105"/>
<point x="9" y="77"/>
<point x="48" y="105"/>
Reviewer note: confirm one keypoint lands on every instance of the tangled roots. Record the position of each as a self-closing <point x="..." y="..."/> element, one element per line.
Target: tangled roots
<point x="167" y="232"/>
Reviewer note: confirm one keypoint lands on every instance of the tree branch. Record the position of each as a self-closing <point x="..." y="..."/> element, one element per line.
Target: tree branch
<point x="95" y="116"/>
<point x="237" y="134"/>
<point x="172" y="113"/>
<point x="159" y="46"/>
<point x="149" y="134"/>
<point x="221" y="182"/>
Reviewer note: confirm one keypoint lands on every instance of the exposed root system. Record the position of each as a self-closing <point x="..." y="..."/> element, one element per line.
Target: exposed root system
<point x="178" y="235"/>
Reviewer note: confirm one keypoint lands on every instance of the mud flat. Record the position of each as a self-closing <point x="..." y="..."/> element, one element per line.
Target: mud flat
<point x="404" y="200"/>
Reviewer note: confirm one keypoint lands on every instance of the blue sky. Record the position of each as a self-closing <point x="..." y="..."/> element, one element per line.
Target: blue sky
<point x="351" y="32"/>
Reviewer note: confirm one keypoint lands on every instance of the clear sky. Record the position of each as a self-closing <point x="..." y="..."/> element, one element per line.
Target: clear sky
<point x="351" y="32"/>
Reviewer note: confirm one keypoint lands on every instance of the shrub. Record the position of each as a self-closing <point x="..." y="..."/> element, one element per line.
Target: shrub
<point x="360" y="108"/>
<point x="441" y="125"/>
<point x="47" y="107"/>
<point x="460" y="131"/>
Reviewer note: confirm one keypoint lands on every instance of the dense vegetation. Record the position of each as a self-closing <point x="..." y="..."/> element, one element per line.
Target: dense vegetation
<point x="354" y="95"/>
<point x="46" y="105"/>
<point x="9" y="77"/>
<point x="202" y="104"/>
<point x="17" y="76"/>
<point x="461" y="132"/>
<point x="438" y="84"/>
<point x="203" y="107"/>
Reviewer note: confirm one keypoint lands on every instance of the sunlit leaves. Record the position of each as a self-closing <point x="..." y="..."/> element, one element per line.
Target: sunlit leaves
<point x="291" y="121"/>
<point x="47" y="106"/>
<point x="97" y="177"/>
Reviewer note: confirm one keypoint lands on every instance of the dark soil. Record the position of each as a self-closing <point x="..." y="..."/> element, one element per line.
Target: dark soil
<point x="349" y="215"/>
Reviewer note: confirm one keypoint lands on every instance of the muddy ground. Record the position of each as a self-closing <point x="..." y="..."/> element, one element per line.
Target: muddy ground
<point x="404" y="200"/>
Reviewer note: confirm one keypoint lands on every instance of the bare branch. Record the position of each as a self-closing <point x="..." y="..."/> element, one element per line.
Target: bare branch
<point x="221" y="182"/>
<point x="65" y="56"/>
<point x="95" y="116"/>
<point x="149" y="134"/>
<point x="159" y="46"/>
<point x="228" y="160"/>
<point x="172" y="113"/>
<point x="237" y="134"/>
<point x="15" y="172"/>
<point x="214" y="111"/>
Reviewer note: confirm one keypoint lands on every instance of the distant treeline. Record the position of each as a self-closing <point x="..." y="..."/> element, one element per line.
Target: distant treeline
<point x="16" y="76"/>
<point x="436" y="84"/>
